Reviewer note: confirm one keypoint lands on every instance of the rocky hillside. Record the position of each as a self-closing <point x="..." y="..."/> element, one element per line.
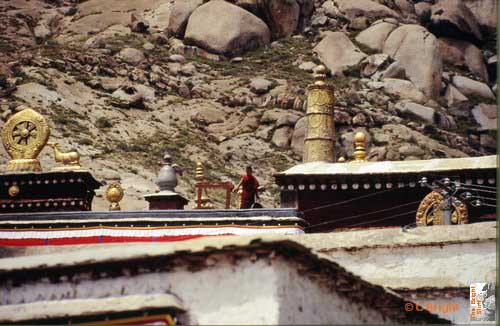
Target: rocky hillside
<point x="224" y="82"/>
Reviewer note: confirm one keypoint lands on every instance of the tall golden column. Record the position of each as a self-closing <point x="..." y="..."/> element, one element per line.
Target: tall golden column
<point x="319" y="143"/>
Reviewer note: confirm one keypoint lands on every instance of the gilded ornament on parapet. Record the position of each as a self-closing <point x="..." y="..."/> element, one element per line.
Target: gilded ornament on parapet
<point x="430" y="211"/>
<point x="114" y="194"/>
<point x="24" y="136"/>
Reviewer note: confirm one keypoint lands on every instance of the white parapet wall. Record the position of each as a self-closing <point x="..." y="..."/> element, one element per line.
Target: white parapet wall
<point x="432" y="266"/>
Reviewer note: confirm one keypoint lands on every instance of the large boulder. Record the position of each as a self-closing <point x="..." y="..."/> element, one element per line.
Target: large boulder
<point x="485" y="11"/>
<point x="179" y="16"/>
<point x="403" y="89"/>
<point x="462" y="53"/>
<point x="424" y="113"/>
<point x="223" y="28"/>
<point x="375" y="36"/>
<point x="458" y="103"/>
<point x="282" y="137"/>
<point x="282" y="17"/>
<point x="298" y="136"/>
<point x="260" y="85"/>
<point x="131" y="56"/>
<point x="486" y="116"/>
<point x="452" y="18"/>
<point x="365" y="8"/>
<point x="470" y="87"/>
<point x="338" y="53"/>
<point x="419" y="52"/>
<point x="374" y="63"/>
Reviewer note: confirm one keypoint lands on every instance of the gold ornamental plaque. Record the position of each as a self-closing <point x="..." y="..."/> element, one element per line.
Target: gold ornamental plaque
<point x="24" y="136"/>
<point x="430" y="211"/>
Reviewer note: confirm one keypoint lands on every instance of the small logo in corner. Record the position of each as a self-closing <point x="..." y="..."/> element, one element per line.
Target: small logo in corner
<point x="482" y="302"/>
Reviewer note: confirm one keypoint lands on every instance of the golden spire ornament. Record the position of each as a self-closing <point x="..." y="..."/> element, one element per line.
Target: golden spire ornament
<point x="206" y="202"/>
<point x="24" y="136"/>
<point x="114" y="194"/>
<point x="200" y="174"/>
<point x="319" y="143"/>
<point x="360" y="147"/>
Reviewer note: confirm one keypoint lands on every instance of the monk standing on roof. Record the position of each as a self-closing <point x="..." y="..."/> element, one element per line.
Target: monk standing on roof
<point x="250" y="187"/>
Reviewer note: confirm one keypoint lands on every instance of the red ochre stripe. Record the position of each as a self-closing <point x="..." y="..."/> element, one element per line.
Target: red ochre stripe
<point x="92" y="240"/>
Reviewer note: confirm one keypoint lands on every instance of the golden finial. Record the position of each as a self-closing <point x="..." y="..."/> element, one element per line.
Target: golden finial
<point x="114" y="193"/>
<point x="200" y="174"/>
<point x="24" y="136"/>
<point x="320" y="75"/>
<point x="360" y="147"/>
<point x="341" y="159"/>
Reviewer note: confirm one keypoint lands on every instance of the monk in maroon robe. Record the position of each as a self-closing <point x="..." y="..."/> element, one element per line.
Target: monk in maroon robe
<point x="249" y="185"/>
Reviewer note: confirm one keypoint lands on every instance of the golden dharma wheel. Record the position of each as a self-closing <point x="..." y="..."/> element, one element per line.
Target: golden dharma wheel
<point x="430" y="211"/>
<point x="24" y="136"/>
<point x="114" y="194"/>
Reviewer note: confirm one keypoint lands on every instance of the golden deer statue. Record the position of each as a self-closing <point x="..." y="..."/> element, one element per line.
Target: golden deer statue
<point x="69" y="160"/>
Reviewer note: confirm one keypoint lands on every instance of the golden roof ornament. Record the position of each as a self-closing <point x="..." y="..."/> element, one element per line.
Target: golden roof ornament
<point x="114" y="194"/>
<point x="69" y="161"/>
<point x="206" y="202"/>
<point x="319" y="142"/>
<point x="360" y="147"/>
<point x="320" y="75"/>
<point x="341" y="159"/>
<point x="24" y="136"/>
<point x="200" y="174"/>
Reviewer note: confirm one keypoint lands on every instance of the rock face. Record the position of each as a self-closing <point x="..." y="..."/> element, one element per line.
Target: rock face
<point x="419" y="53"/>
<point x="462" y="53"/>
<point x="486" y="116"/>
<point x="470" y="87"/>
<point x="283" y="17"/>
<point x="451" y="18"/>
<point x="485" y="11"/>
<point x="365" y="8"/>
<point x="223" y="28"/>
<point x="375" y="36"/>
<point x="338" y="53"/>
<point x="179" y="16"/>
